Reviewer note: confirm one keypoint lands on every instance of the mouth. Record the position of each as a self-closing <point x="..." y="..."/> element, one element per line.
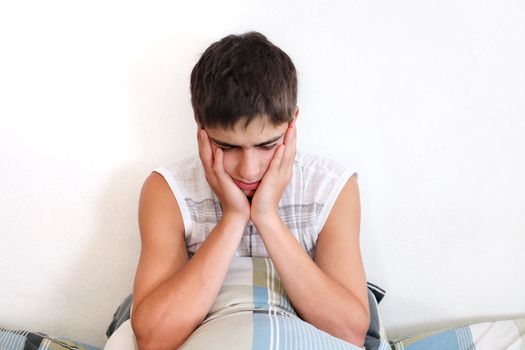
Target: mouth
<point x="247" y="186"/>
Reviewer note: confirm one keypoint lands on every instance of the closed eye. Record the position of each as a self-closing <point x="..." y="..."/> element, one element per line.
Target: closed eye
<point x="231" y="148"/>
<point x="226" y="148"/>
<point x="269" y="147"/>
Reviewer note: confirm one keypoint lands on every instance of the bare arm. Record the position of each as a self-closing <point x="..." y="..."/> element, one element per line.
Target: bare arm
<point x="171" y="294"/>
<point x="329" y="293"/>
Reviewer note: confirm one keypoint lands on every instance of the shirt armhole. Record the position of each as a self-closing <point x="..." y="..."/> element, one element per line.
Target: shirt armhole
<point x="179" y="197"/>
<point x="330" y="200"/>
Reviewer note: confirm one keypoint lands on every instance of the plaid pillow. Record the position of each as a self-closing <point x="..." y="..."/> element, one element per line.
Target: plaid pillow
<point x="506" y="334"/>
<point x="375" y="339"/>
<point x="25" y="340"/>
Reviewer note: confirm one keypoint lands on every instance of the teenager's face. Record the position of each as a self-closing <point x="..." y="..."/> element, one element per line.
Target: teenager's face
<point x="248" y="152"/>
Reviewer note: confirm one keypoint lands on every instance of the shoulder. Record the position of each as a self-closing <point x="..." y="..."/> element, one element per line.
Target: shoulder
<point x="319" y="166"/>
<point x="158" y="207"/>
<point x="156" y="192"/>
<point x="186" y="178"/>
<point x="185" y="167"/>
<point x="322" y="181"/>
<point x="187" y="183"/>
<point x="322" y="177"/>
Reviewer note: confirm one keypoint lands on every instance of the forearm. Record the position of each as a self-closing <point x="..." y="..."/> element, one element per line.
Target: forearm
<point x="318" y="299"/>
<point x="173" y="310"/>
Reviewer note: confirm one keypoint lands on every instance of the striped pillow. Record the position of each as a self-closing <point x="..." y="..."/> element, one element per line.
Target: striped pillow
<point x="11" y="339"/>
<point x="498" y="335"/>
<point x="254" y="310"/>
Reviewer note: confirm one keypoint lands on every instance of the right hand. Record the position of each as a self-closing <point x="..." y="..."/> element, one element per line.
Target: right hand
<point x="233" y="200"/>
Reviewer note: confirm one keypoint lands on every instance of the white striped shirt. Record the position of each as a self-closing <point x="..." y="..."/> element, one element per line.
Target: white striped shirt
<point x="304" y="207"/>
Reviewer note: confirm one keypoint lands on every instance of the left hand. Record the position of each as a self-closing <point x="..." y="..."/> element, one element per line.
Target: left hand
<point x="265" y="201"/>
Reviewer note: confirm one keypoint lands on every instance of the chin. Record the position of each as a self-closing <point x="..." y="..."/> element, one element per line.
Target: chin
<point x="249" y="193"/>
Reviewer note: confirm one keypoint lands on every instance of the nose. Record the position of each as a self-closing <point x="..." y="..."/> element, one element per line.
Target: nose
<point x="248" y="167"/>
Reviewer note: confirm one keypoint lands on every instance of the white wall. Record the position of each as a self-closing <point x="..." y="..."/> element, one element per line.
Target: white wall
<point x="424" y="98"/>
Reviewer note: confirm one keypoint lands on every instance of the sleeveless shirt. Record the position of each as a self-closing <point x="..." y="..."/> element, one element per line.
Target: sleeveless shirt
<point x="304" y="207"/>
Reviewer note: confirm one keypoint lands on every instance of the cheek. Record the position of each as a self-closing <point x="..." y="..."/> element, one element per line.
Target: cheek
<point x="230" y="162"/>
<point x="266" y="159"/>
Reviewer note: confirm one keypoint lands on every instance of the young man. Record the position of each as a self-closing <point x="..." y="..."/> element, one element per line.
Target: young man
<point x="249" y="193"/>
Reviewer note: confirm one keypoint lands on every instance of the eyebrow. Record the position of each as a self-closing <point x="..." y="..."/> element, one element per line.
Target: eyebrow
<point x="265" y="143"/>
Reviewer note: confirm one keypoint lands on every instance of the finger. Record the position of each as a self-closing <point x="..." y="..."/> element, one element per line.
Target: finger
<point x="218" y="165"/>
<point x="205" y="150"/>
<point x="289" y="136"/>
<point x="293" y="140"/>
<point x="291" y="147"/>
<point x="277" y="159"/>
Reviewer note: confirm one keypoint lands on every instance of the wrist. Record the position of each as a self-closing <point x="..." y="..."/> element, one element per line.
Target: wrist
<point x="267" y="220"/>
<point x="235" y="221"/>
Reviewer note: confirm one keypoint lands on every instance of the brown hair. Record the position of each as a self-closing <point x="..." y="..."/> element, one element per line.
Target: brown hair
<point x="243" y="77"/>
